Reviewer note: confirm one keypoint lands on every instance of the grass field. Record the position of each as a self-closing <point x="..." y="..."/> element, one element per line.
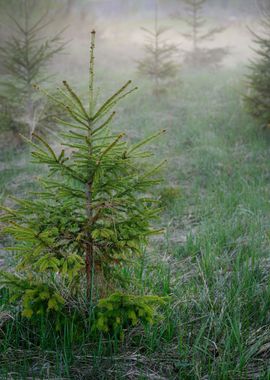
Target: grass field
<point x="213" y="260"/>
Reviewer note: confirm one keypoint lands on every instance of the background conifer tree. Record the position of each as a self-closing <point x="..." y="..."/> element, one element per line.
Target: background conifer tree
<point x="24" y="58"/>
<point x="258" y="97"/>
<point x="198" y="35"/>
<point x="158" y="64"/>
<point x="94" y="210"/>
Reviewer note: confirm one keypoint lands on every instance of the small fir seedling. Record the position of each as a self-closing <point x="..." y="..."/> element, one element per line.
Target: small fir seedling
<point x="257" y="98"/>
<point x="119" y="311"/>
<point x="199" y="55"/>
<point x="94" y="210"/>
<point x="24" y="59"/>
<point x="158" y="63"/>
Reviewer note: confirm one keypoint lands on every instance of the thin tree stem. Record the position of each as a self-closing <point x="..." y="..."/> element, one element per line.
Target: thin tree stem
<point x="91" y="76"/>
<point x="89" y="257"/>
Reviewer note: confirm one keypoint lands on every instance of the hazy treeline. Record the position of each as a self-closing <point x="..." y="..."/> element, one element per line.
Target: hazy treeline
<point x="198" y="35"/>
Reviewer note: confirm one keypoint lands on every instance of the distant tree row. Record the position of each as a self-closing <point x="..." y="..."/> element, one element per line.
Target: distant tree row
<point x="25" y="56"/>
<point x="160" y="63"/>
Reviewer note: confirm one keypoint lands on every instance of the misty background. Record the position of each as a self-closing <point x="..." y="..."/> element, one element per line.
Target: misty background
<point x="120" y="38"/>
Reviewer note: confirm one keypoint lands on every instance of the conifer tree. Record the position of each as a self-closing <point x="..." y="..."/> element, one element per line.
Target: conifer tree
<point x="24" y="58"/>
<point x="199" y="55"/>
<point x="158" y="64"/>
<point x="258" y="97"/>
<point x="93" y="212"/>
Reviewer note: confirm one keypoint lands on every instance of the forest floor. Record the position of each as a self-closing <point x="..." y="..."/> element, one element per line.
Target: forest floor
<point x="213" y="261"/>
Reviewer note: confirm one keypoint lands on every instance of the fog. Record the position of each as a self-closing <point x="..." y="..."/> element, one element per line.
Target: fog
<point x="121" y="39"/>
